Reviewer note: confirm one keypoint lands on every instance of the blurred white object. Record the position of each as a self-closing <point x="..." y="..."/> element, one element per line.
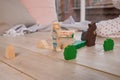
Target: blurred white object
<point x="109" y="28"/>
<point x="77" y="36"/>
<point x="38" y="27"/>
<point x="77" y="25"/>
<point x="116" y="3"/>
<point x="34" y="28"/>
<point x="70" y="20"/>
<point x="16" y="30"/>
<point x="22" y="29"/>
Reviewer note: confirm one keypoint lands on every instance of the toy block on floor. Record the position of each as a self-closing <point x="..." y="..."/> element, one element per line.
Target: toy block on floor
<point x="79" y="44"/>
<point x="70" y="52"/>
<point x="10" y="52"/>
<point x="90" y="35"/>
<point x="63" y="46"/>
<point x="55" y="36"/>
<point x="67" y="33"/>
<point x="108" y="44"/>
<point x="43" y="44"/>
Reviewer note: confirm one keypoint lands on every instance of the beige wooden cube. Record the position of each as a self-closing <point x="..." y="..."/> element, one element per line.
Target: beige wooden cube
<point x="43" y="44"/>
<point x="10" y="52"/>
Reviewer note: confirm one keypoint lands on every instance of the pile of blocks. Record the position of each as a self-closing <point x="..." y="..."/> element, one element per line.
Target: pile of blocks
<point x="59" y="35"/>
<point x="88" y="39"/>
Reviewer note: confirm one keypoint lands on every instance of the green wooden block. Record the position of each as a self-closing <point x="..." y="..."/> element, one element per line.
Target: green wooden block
<point x="108" y="44"/>
<point x="79" y="44"/>
<point x="70" y="52"/>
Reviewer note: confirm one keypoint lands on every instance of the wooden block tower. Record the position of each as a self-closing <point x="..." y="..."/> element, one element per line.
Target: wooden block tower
<point x="56" y="36"/>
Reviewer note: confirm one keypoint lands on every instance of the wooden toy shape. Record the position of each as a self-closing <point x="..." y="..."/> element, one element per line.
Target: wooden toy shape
<point x="56" y="28"/>
<point x="43" y="44"/>
<point x="56" y="36"/>
<point x="90" y="35"/>
<point x="67" y="33"/>
<point x="70" y="52"/>
<point x="10" y="52"/>
<point x="108" y="44"/>
<point x="79" y="44"/>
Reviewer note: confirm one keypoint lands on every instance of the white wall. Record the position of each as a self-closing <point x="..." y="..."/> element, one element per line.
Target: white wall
<point x="28" y="12"/>
<point x="12" y="12"/>
<point x="43" y="11"/>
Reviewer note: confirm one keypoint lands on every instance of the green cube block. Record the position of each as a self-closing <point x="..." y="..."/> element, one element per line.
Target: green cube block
<point x="108" y="44"/>
<point x="79" y="44"/>
<point x="70" y="52"/>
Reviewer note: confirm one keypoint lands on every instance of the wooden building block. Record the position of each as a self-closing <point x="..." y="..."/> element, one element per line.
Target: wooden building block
<point x="40" y="45"/>
<point x="67" y="33"/>
<point x="56" y="26"/>
<point x="10" y="52"/>
<point x="108" y="44"/>
<point x="43" y="44"/>
<point x="64" y="45"/>
<point x="55" y="36"/>
<point x="58" y="49"/>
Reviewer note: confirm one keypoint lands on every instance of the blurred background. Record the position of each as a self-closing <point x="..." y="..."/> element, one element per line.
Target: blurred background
<point x="96" y="10"/>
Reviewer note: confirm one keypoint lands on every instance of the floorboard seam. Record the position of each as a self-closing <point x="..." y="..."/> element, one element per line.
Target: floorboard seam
<point x="17" y="69"/>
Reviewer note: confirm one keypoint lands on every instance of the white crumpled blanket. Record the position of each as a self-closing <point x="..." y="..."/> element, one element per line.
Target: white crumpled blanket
<point x="71" y="24"/>
<point x="109" y="28"/>
<point x="21" y="29"/>
<point x="16" y="30"/>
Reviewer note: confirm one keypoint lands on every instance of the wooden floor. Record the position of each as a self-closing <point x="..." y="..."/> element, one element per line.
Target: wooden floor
<point x="32" y="63"/>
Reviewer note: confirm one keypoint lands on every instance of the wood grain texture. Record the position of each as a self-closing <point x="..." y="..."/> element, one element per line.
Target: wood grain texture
<point x="43" y="67"/>
<point x="91" y="64"/>
<point x="8" y="73"/>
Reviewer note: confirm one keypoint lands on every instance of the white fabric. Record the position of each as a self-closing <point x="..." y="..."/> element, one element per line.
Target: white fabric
<point x="77" y="25"/>
<point x="15" y="31"/>
<point x="21" y="29"/>
<point x="116" y="3"/>
<point x="38" y="27"/>
<point x="34" y="28"/>
<point x="70" y="20"/>
<point x="109" y="28"/>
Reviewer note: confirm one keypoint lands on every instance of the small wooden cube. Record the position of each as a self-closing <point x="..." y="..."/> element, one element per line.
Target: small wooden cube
<point x="10" y="52"/>
<point x="43" y="44"/>
<point x="40" y="45"/>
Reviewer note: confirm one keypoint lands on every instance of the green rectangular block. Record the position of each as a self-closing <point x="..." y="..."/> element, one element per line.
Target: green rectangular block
<point x="79" y="44"/>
